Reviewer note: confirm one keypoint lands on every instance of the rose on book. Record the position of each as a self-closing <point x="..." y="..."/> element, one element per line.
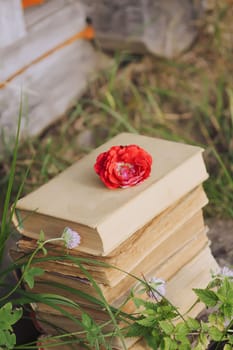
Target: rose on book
<point x="123" y="166"/>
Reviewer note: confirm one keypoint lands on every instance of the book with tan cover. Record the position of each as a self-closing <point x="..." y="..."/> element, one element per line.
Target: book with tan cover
<point x="160" y="232"/>
<point x="105" y="218"/>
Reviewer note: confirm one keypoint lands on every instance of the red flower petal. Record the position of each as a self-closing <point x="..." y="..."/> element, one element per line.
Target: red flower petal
<point x="123" y="166"/>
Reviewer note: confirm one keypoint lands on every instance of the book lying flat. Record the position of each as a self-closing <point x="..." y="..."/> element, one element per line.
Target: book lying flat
<point x="105" y="218"/>
<point x="165" y="258"/>
<point x="166" y="265"/>
<point x="131" y="252"/>
<point x="195" y="274"/>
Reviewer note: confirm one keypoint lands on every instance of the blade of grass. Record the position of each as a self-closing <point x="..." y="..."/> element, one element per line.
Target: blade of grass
<point x="4" y="232"/>
<point x="115" y="115"/>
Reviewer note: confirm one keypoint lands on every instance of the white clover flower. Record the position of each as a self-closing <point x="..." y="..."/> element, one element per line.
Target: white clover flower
<point x="157" y="288"/>
<point x="72" y="238"/>
<point x="225" y="271"/>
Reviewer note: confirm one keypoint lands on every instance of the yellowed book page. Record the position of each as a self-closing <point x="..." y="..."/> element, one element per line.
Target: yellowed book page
<point x="47" y="283"/>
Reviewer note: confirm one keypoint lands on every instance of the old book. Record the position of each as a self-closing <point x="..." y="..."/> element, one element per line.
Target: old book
<point x="166" y="265"/>
<point x="181" y="241"/>
<point x="130" y="253"/>
<point x="195" y="274"/>
<point x="105" y="218"/>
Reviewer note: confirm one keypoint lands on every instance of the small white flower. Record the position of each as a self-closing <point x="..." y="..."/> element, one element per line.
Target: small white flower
<point x="72" y="238"/>
<point x="225" y="271"/>
<point x="157" y="288"/>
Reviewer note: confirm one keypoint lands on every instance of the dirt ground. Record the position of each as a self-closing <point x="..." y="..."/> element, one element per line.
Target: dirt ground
<point x="221" y="237"/>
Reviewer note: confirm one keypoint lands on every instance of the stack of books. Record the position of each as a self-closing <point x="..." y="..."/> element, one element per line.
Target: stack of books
<point x="154" y="229"/>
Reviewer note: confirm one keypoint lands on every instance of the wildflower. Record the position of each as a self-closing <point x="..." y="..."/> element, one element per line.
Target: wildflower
<point x="156" y="288"/>
<point x="72" y="238"/>
<point x="226" y="272"/>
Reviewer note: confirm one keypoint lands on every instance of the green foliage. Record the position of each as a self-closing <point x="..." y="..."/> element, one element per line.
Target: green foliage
<point x="94" y="336"/>
<point x="30" y="273"/>
<point x="8" y="317"/>
<point x="161" y="325"/>
<point x="208" y="297"/>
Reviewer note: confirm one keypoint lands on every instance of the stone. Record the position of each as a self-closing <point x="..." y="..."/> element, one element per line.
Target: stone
<point x="164" y="28"/>
<point x="220" y="234"/>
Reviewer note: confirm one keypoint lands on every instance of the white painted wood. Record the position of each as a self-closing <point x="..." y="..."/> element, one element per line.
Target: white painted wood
<point x="44" y="35"/>
<point x="49" y="88"/>
<point x="12" y="25"/>
<point x="53" y="84"/>
<point x="34" y="14"/>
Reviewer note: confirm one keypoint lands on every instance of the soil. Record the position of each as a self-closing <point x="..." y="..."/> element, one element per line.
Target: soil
<point x="221" y="238"/>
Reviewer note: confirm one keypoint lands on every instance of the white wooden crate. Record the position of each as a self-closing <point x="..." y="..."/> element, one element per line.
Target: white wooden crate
<point x="51" y="85"/>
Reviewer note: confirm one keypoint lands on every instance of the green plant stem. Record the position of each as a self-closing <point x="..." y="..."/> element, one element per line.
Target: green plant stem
<point x="39" y="247"/>
<point x="4" y="232"/>
<point x="226" y="172"/>
<point x="106" y="304"/>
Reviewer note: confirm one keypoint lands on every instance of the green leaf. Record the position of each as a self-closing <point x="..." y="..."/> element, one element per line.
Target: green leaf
<point x="181" y="329"/>
<point x="192" y="324"/>
<point x="41" y="236"/>
<point x="86" y="321"/>
<point x="227" y="310"/>
<point x="185" y="346"/>
<point x="153" y="340"/>
<point x="30" y="274"/>
<point x="227" y="347"/>
<point x="217" y="320"/>
<point x="181" y="332"/>
<point x="138" y="302"/>
<point x="230" y="339"/>
<point x="215" y="334"/>
<point x="202" y="343"/>
<point x="168" y="344"/>
<point x="147" y="321"/>
<point x="136" y="330"/>
<point x="7" y="339"/>
<point x="166" y="326"/>
<point x="199" y="346"/>
<point x="208" y="297"/>
<point x="8" y="316"/>
<point x="225" y="294"/>
<point x="204" y="328"/>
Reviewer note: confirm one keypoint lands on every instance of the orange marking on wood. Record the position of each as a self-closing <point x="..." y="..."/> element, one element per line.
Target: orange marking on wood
<point x="88" y="33"/>
<point x="28" y="3"/>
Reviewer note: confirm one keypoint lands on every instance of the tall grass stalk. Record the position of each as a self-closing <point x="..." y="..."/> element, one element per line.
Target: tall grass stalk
<point x="5" y="223"/>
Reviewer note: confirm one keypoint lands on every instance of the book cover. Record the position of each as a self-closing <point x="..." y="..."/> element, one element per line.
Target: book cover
<point x="105" y="218"/>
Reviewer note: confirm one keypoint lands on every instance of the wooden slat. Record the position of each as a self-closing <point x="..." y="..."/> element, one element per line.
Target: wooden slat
<point x="51" y="84"/>
<point x="32" y="15"/>
<point x="43" y="36"/>
<point x="49" y="88"/>
<point x="12" y="25"/>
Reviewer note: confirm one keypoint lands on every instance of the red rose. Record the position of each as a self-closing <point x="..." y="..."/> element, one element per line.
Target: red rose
<point x="123" y="166"/>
